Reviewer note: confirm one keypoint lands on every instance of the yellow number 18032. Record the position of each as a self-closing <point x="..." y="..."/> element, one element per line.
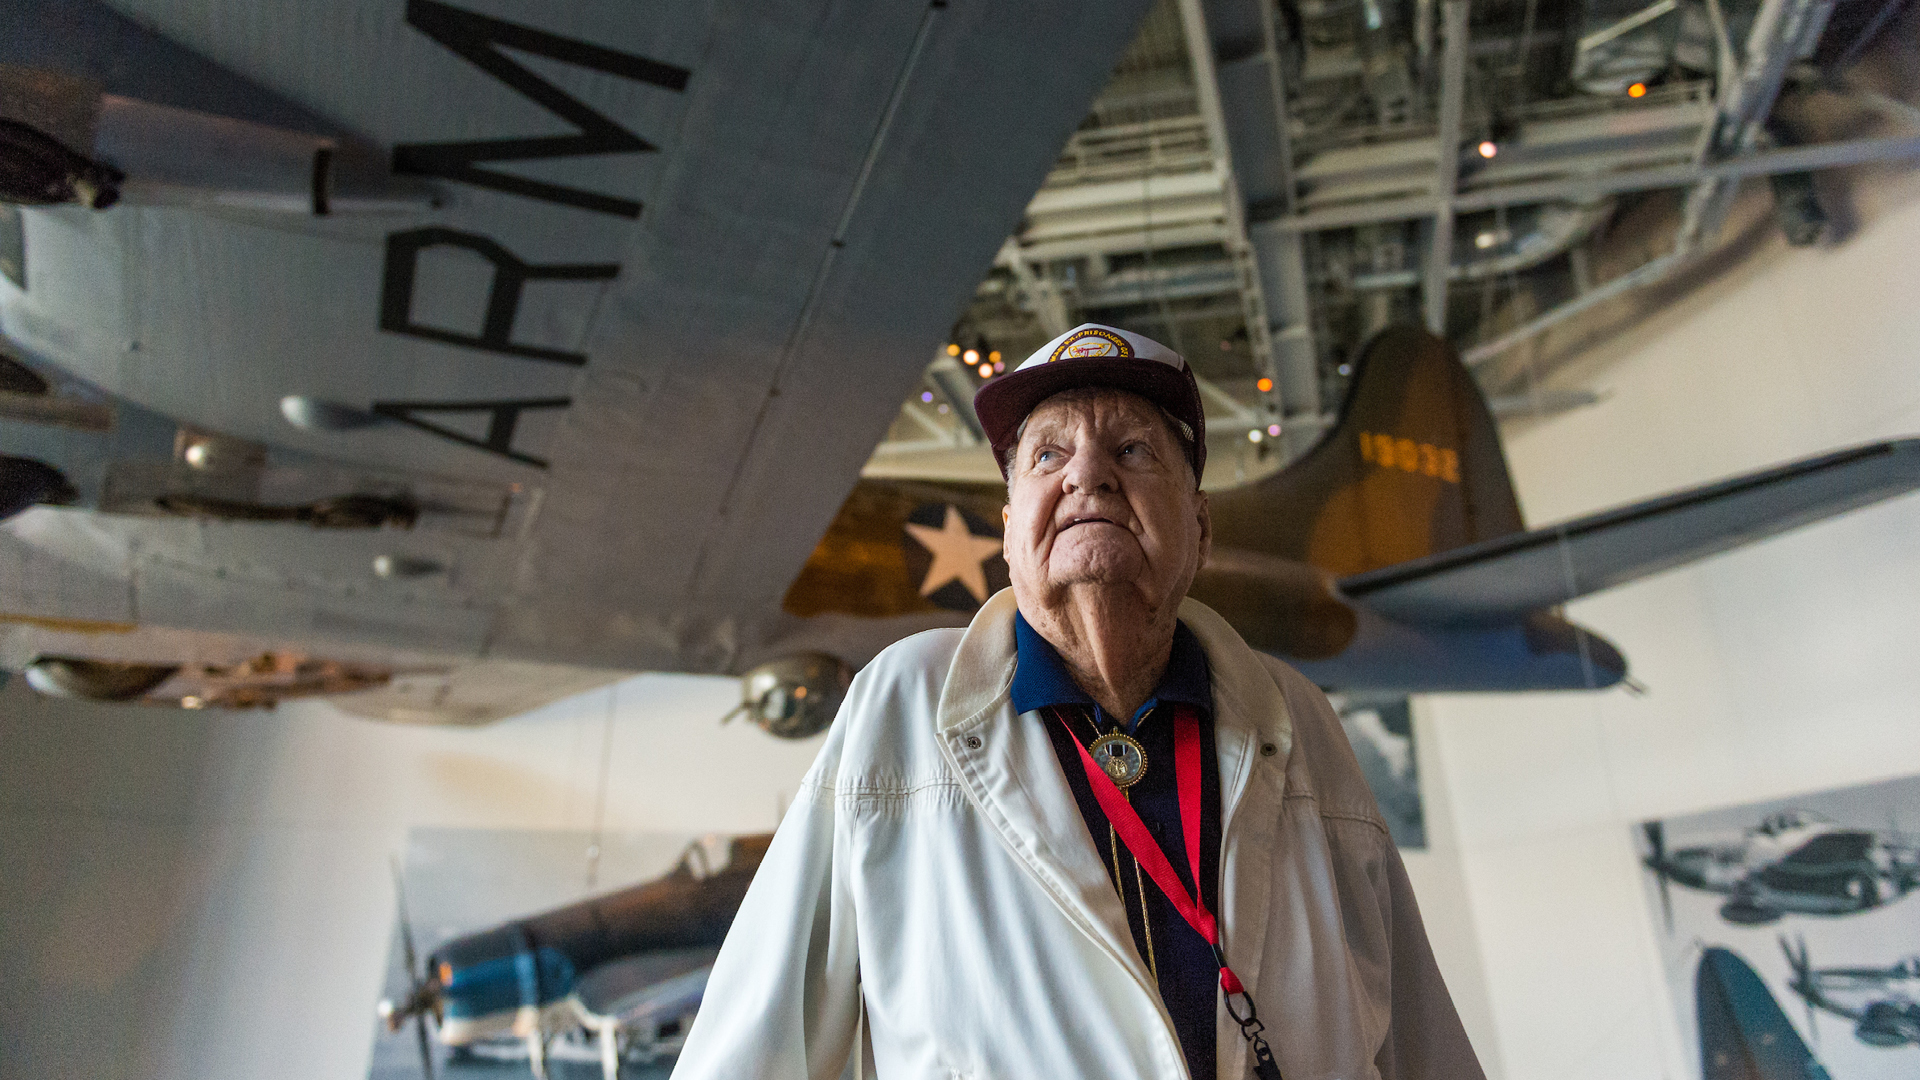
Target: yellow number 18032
<point x="1409" y="456"/>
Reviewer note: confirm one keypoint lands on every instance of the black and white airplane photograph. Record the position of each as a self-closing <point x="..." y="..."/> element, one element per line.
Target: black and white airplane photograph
<point x="961" y="538"/>
<point x="1813" y="897"/>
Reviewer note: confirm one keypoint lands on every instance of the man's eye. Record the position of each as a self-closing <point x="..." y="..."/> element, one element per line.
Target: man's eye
<point x="1044" y="456"/>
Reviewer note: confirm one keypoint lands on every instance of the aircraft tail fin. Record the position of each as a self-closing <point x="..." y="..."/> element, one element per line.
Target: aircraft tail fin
<point x="1411" y="468"/>
<point x="1743" y="1033"/>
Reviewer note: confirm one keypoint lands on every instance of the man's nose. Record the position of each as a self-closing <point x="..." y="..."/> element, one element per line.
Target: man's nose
<point x="1088" y="470"/>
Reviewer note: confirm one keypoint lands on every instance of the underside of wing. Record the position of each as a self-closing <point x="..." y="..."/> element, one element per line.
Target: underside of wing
<point x="589" y="394"/>
<point x="1504" y="578"/>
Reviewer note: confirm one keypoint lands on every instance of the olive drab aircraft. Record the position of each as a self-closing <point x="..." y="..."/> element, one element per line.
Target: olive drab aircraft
<point x="448" y="357"/>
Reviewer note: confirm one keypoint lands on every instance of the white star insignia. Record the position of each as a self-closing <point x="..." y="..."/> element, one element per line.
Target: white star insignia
<point x="958" y="555"/>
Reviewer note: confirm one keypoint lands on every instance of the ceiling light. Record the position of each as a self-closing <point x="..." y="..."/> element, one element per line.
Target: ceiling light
<point x="1488" y="148"/>
<point x="1265" y="385"/>
<point x="1637" y="90"/>
<point x="198" y="455"/>
<point x="1273" y="430"/>
<point x="926" y="396"/>
<point x="971" y="356"/>
<point x="995" y="357"/>
<point x="1255" y="435"/>
<point x="952" y="349"/>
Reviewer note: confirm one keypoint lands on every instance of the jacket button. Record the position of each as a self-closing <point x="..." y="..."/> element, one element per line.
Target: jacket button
<point x="973" y="742"/>
<point x="1267" y="749"/>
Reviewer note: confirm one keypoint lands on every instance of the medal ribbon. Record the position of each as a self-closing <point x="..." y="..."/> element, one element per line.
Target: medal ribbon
<point x="1146" y="852"/>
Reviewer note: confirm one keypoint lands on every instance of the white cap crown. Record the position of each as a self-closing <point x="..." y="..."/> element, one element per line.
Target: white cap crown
<point x="1089" y="340"/>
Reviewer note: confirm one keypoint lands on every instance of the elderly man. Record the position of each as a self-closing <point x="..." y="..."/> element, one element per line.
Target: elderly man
<point x="1094" y="834"/>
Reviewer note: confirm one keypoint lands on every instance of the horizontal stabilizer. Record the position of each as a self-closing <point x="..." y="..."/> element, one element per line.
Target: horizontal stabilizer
<point x="1508" y="576"/>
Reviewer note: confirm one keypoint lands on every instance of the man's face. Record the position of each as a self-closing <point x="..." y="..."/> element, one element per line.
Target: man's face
<point x="1100" y="493"/>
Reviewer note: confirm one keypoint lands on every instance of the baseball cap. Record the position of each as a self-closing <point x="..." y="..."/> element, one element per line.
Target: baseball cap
<point x="1093" y="355"/>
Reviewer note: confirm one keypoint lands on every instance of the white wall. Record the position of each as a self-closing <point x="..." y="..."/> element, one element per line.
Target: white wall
<point x="204" y="896"/>
<point x="1789" y="666"/>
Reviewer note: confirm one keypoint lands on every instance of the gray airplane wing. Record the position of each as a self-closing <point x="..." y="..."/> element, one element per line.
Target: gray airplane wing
<point x="1501" y="579"/>
<point x="685" y="260"/>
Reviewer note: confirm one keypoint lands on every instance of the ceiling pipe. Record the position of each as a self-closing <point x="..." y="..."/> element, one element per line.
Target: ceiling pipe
<point x="1453" y="92"/>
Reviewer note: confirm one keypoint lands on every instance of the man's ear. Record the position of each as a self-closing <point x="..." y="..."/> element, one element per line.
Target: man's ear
<point x="1205" y="514"/>
<point x="1006" y="516"/>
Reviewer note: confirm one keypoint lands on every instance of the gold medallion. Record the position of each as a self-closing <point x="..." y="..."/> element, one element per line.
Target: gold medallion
<point x="1122" y="759"/>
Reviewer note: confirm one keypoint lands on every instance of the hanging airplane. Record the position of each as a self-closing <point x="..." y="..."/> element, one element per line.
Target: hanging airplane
<point x="1743" y="1033"/>
<point x="1792" y="863"/>
<point x="614" y="978"/>
<point x="1883" y="1003"/>
<point x="368" y="372"/>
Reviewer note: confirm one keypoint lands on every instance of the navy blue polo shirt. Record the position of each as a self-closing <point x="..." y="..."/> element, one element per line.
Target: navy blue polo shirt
<point x="1180" y="959"/>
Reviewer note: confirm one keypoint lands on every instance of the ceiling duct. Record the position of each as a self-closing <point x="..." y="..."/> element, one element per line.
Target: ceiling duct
<point x="1486" y="243"/>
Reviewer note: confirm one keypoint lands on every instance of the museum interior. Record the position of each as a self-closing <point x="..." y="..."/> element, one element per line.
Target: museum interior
<point x="456" y="456"/>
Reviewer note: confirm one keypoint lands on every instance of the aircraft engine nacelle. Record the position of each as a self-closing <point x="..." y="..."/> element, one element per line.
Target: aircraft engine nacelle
<point x="25" y="482"/>
<point x="795" y="697"/>
<point x="95" y="680"/>
<point x="1889" y="1023"/>
<point x="37" y="170"/>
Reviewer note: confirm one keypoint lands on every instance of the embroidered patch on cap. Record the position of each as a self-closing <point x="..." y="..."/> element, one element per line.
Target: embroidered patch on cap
<point x="1090" y="342"/>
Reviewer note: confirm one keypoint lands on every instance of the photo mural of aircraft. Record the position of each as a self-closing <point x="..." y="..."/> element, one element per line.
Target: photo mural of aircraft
<point x="614" y="978"/>
<point x="491" y="361"/>
<point x="1743" y="1033"/>
<point x="1882" y="1002"/>
<point x="1792" y="863"/>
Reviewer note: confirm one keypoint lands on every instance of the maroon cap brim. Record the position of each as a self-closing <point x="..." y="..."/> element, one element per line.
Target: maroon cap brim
<point x="1003" y="403"/>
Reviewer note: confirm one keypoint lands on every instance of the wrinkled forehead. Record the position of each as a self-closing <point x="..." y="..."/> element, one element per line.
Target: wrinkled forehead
<point x="1103" y="409"/>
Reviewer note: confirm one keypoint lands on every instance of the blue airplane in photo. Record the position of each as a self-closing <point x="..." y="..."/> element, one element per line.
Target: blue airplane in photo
<point x="1743" y="1033"/>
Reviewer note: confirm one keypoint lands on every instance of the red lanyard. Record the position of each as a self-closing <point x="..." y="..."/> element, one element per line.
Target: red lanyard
<point x="1146" y="851"/>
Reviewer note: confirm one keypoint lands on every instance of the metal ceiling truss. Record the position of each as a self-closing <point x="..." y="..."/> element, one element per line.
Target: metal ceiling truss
<point x="1315" y="169"/>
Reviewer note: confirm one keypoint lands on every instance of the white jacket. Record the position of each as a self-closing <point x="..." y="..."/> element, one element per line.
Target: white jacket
<point x="935" y="869"/>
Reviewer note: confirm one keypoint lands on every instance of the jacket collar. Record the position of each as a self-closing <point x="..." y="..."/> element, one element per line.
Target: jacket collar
<point x="1041" y="678"/>
<point x="1009" y="773"/>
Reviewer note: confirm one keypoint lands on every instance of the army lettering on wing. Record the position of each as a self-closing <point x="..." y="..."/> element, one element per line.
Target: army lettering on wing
<point x="1406" y="455"/>
<point x="485" y="43"/>
<point x="510" y="276"/>
<point x="479" y="40"/>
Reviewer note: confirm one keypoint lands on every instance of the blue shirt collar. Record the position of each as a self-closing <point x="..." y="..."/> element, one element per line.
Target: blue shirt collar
<point x="1040" y="677"/>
